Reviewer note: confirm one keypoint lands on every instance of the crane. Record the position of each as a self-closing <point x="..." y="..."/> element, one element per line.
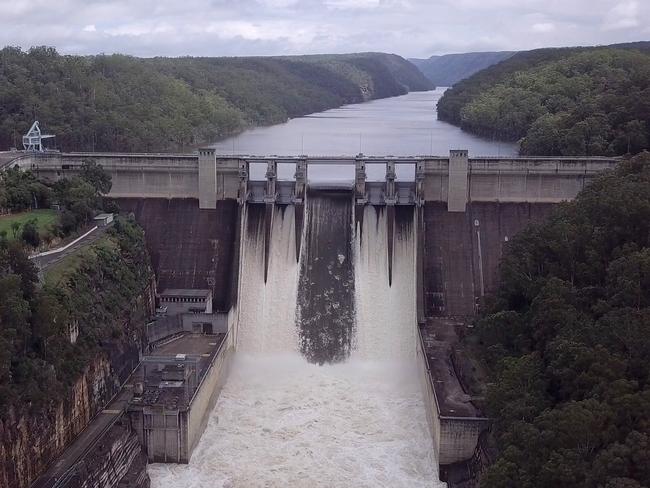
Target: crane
<point x="33" y="140"/>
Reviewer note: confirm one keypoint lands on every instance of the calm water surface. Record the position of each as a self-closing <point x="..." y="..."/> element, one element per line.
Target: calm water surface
<point x="399" y="126"/>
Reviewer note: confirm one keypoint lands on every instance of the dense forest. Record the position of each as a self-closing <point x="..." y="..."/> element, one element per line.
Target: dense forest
<point x="571" y="101"/>
<point x="37" y="360"/>
<point x="449" y="69"/>
<point x="568" y="339"/>
<point x="122" y="103"/>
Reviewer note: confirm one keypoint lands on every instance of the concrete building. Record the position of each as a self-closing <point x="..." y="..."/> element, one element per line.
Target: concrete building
<point x="103" y="219"/>
<point x="180" y="382"/>
<point x="165" y="326"/>
<point x="180" y="301"/>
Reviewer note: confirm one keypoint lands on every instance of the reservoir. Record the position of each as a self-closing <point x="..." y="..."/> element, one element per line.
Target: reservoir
<point x="400" y="126"/>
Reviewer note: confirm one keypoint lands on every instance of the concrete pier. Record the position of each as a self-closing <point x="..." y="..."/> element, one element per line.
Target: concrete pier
<point x="455" y="424"/>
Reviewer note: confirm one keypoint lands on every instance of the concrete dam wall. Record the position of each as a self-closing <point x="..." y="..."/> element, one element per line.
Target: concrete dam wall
<point x="320" y="300"/>
<point x="331" y="289"/>
<point x="191" y="247"/>
<point x="462" y="251"/>
<point x="456" y="179"/>
<point x="323" y="385"/>
<point x="337" y="282"/>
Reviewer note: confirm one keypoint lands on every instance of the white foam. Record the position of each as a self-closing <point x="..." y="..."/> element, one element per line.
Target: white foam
<point x="281" y="422"/>
<point x="385" y="314"/>
<point x="268" y="310"/>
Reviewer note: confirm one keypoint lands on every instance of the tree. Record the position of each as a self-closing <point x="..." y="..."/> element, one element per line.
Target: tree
<point x="122" y="103"/>
<point x="520" y="390"/>
<point x="568" y="341"/>
<point x="14" y="313"/>
<point x="94" y="174"/>
<point x="30" y="235"/>
<point x="579" y="101"/>
<point x="544" y="136"/>
<point x="78" y="197"/>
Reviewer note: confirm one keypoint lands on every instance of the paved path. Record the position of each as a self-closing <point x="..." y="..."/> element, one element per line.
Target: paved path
<point x="84" y="443"/>
<point x="55" y="255"/>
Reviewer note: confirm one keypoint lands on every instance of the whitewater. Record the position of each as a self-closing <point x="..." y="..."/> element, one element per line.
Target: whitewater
<point x="282" y="421"/>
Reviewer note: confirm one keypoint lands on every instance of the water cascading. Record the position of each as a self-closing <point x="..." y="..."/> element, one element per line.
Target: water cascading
<point x="326" y="310"/>
<point x="385" y="284"/>
<point x="268" y="281"/>
<point x="324" y="390"/>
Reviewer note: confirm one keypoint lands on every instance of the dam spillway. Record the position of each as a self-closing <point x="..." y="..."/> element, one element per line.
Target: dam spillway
<point x="326" y="307"/>
<point x="385" y="286"/>
<point x="284" y="264"/>
<point x="324" y="387"/>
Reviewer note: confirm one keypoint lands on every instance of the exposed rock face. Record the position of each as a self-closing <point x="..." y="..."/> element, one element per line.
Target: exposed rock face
<point x="29" y="443"/>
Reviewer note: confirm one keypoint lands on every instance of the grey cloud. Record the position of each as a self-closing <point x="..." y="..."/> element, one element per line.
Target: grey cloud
<point x="265" y="27"/>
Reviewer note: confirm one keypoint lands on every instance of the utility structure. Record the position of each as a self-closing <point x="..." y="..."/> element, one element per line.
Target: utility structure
<point x="33" y="140"/>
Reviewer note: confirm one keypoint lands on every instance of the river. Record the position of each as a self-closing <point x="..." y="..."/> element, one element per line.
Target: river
<point x="400" y="126"/>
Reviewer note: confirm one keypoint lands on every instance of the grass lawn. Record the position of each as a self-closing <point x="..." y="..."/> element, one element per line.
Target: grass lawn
<point x="44" y="220"/>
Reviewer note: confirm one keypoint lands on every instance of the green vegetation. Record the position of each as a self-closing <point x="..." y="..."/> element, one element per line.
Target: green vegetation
<point x="449" y="69"/>
<point x="96" y="290"/>
<point x="568" y="340"/>
<point x="79" y="198"/>
<point x="60" y="271"/>
<point x="45" y="220"/>
<point x="122" y="103"/>
<point x="38" y="363"/>
<point x="578" y="101"/>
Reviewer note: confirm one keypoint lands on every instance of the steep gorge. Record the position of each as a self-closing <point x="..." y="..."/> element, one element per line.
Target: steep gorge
<point x="123" y="103"/>
<point x="110" y="294"/>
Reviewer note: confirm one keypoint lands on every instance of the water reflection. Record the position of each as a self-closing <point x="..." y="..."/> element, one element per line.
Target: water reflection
<point x="399" y="126"/>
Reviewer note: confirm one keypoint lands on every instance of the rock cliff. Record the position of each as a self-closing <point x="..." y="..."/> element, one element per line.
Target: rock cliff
<point x="29" y="442"/>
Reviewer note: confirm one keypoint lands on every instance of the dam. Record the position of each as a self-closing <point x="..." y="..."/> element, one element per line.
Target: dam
<point x="338" y="298"/>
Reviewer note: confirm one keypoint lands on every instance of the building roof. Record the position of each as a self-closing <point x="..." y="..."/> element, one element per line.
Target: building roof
<point x="162" y="390"/>
<point x="103" y="216"/>
<point x="185" y="292"/>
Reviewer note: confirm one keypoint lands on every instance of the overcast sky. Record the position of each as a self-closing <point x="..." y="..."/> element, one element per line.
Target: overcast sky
<point x="412" y="28"/>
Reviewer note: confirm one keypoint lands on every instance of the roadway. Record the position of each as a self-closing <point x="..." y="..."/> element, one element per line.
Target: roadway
<point x="49" y="258"/>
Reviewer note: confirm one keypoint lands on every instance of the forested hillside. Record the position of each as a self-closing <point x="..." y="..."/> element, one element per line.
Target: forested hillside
<point x="449" y="69"/>
<point x="572" y="101"/>
<point x="37" y="360"/>
<point x="38" y="363"/>
<point x="122" y="103"/>
<point x="568" y="341"/>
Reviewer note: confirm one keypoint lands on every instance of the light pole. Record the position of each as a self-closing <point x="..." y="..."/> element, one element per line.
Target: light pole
<point x="480" y="256"/>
